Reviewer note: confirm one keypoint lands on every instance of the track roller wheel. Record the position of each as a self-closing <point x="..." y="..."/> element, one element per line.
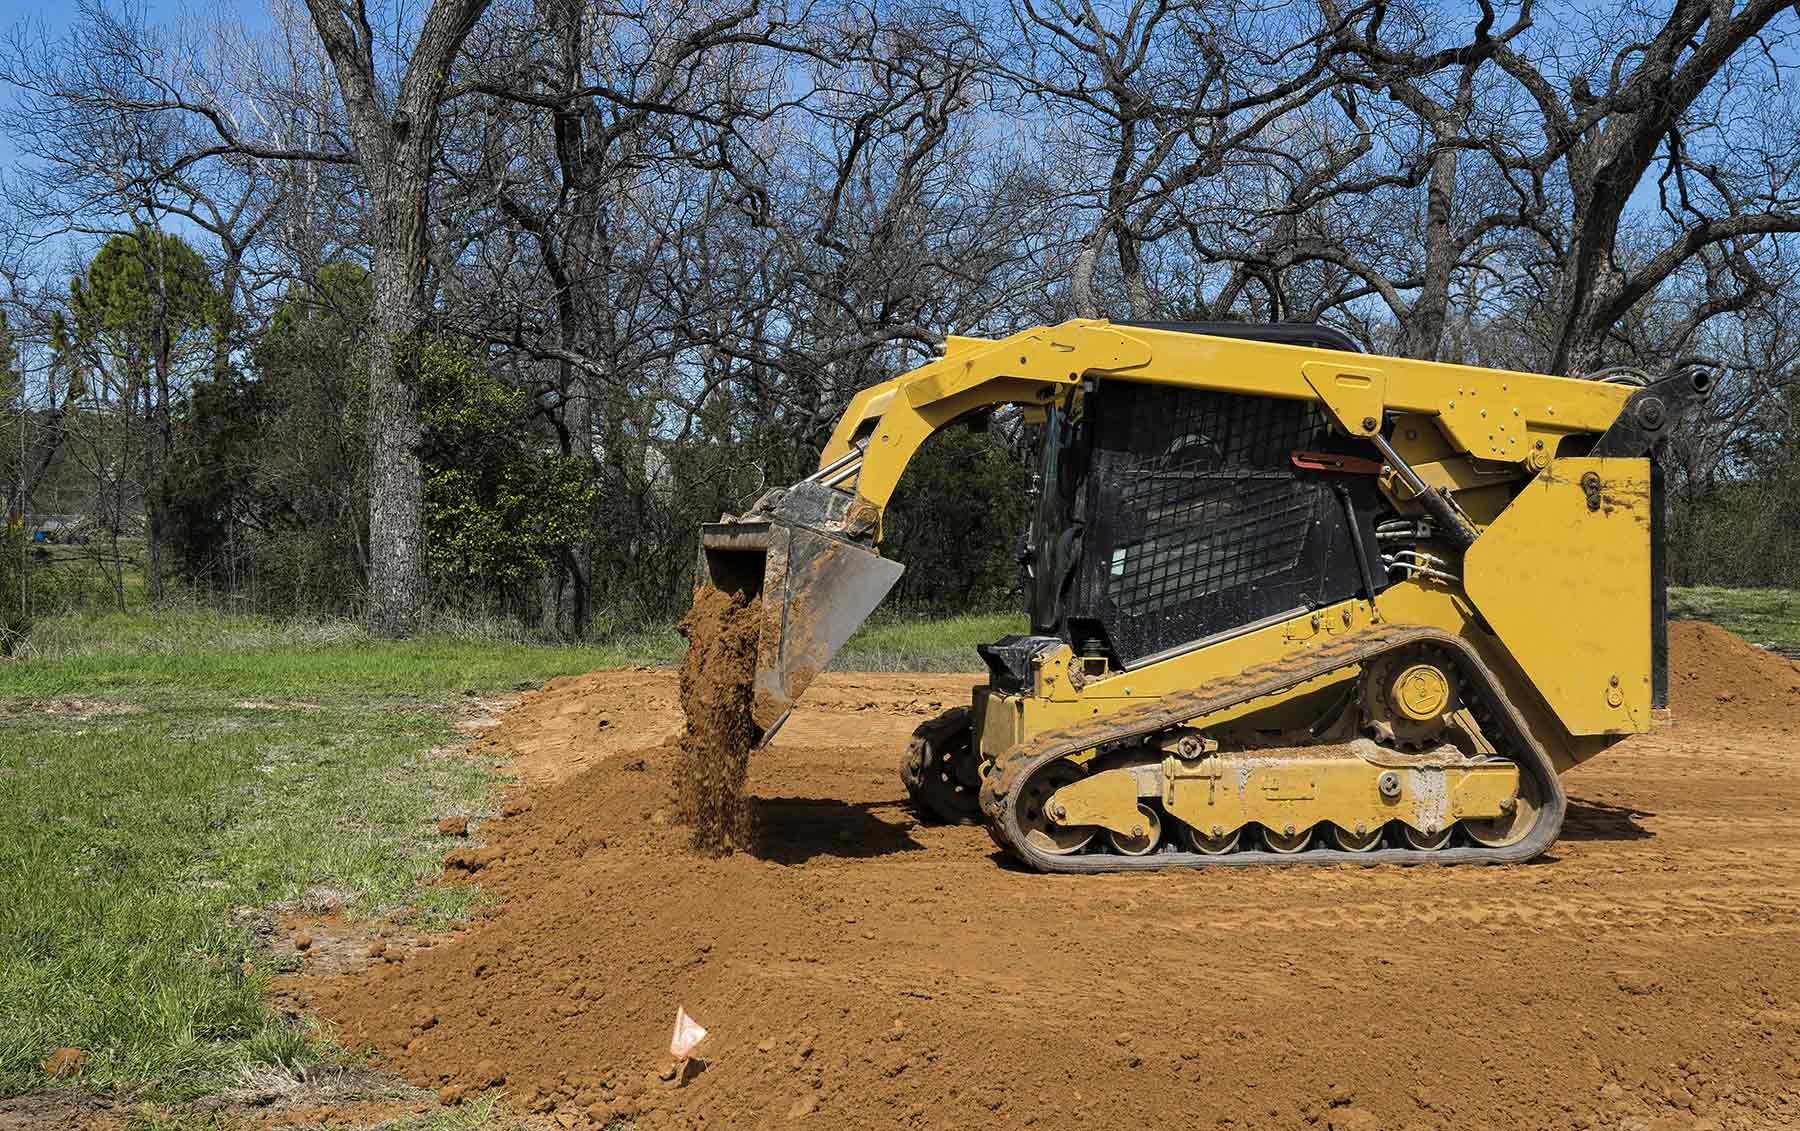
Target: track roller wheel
<point x="1040" y="831"/>
<point x="1144" y="838"/>
<point x="1509" y="828"/>
<point x="1348" y="840"/>
<point x="1208" y="845"/>
<point x="1426" y="842"/>
<point x="1285" y="842"/>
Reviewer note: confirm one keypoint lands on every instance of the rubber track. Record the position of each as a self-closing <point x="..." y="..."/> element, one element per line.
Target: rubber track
<point x="927" y="736"/>
<point x="1001" y="783"/>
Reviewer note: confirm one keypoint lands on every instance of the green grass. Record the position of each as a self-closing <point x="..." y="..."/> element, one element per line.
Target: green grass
<point x="167" y="777"/>
<point x="946" y="645"/>
<point x="1770" y="617"/>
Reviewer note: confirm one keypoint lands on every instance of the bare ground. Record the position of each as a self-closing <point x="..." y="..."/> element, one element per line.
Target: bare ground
<point x="860" y="969"/>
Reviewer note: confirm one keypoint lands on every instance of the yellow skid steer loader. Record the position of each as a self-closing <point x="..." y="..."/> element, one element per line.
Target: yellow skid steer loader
<point x="1289" y="601"/>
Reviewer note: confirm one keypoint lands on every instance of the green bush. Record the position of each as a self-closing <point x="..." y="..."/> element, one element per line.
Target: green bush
<point x="497" y="504"/>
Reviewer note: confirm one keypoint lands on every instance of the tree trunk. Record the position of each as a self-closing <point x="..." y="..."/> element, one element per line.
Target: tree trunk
<point x="1422" y="333"/>
<point x="395" y="151"/>
<point x="156" y="524"/>
<point x="397" y="589"/>
<point x="1081" y="281"/>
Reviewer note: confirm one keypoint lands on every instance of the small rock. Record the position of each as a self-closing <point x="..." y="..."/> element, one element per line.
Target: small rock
<point x="804" y="1106"/>
<point x="450" y="1095"/>
<point x="377" y="948"/>
<point x="766" y="1045"/>
<point x="1611" y="1092"/>
<point x="65" y="1062"/>
<point x="453" y="826"/>
<point x="303" y="942"/>
<point x="668" y="1073"/>
<point x="1638" y="983"/>
<point x="1341" y="1095"/>
<point x="489" y="1075"/>
<point x="1353" y="1119"/>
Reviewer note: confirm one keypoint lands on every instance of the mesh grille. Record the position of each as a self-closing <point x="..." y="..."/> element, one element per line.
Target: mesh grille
<point x="1211" y="484"/>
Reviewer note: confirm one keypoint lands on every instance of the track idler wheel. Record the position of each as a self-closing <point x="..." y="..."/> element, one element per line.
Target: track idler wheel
<point x="1041" y="832"/>
<point x="1144" y="837"/>
<point x="1208" y="844"/>
<point x="941" y="770"/>
<point x="1287" y="841"/>
<point x="1427" y="842"/>
<point x="1509" y="828"/>
<point x="1351" y="840"/>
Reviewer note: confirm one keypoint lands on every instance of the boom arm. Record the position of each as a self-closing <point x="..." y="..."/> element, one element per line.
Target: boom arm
<point x="808" y="552"/>
<point x="1490" y="414"/>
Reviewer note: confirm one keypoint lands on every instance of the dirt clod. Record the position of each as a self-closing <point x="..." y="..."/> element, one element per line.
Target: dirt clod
<point x="453" y="826"/>
<point x="716" y="678"/>
<point x="65" y="1062"/>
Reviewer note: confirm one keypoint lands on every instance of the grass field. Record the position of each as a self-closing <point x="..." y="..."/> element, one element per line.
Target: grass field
<point x="1770" y="617"/>
<point x="171" y="780"/>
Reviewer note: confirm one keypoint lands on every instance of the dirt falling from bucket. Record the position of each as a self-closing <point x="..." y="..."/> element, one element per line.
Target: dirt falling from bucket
<point x="716" y="678"/>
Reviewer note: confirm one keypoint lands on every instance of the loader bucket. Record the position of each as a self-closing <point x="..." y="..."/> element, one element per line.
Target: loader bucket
<point x="815" y="590"/>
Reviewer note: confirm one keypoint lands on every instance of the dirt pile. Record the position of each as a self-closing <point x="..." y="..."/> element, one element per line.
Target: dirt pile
<point x="1718" y="678"/>
<point x="716" y="678"/>
<point x="856" y="969"/>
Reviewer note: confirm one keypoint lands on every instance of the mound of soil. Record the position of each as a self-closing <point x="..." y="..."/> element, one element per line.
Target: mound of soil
<point x="716" y="678"/>
<point x="855" y="968"/>
<point x="1716" y="677"/>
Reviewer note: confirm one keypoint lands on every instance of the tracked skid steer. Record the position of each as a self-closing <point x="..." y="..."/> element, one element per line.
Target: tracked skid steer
<point x="1288" y="601"/>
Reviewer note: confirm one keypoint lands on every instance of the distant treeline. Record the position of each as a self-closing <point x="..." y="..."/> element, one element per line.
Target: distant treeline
<point x="489" y="315"/>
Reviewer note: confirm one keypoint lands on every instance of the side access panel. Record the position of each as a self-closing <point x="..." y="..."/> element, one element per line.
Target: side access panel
<point x="1563" y="578"/>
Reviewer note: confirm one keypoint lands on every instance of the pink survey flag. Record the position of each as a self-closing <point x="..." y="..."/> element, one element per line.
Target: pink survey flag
<point x="688" y="1033"/>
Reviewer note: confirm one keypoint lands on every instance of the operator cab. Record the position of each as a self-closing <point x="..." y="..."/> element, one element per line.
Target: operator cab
<point x="1169" y="517"/>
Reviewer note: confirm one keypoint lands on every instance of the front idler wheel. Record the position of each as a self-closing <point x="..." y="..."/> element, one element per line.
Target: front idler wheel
<point x="1042" y="833"/>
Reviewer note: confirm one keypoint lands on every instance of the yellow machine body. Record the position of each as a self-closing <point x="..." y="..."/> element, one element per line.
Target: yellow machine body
<point x="1529" y="592"/>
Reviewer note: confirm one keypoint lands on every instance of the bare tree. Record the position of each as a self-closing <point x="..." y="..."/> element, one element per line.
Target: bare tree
<point x="394" y="135"/>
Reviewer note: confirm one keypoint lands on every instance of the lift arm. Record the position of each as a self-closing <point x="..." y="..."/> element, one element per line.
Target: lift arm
<point x="809" y="553"/>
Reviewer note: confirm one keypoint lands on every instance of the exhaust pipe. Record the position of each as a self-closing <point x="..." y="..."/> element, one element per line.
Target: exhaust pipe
<point x="815" y="588"/>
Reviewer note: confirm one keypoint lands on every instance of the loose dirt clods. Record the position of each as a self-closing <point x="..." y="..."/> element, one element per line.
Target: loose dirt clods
<point x="65" y="1062"/>
<point x="716" y="678"/>
<point x="858" y="970"/>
